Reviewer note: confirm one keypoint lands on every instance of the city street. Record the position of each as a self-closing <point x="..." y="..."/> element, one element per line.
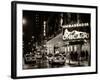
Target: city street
<point x="55" y="40"/>
<point x="45" y="64"/>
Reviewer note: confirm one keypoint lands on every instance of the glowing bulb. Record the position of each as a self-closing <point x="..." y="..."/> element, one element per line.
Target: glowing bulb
<point x="69" y="25"/>
<point x="24" y="21"/>
<point x="80" y="24"/>
<point x="72" y="25"/>
<point x="75" y="25"/>
<point x="87" y="24"/>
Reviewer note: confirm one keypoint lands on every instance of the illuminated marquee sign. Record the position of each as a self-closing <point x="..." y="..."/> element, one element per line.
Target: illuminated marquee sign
<point x="76" y="25"/>
<point x="74" y="35"/>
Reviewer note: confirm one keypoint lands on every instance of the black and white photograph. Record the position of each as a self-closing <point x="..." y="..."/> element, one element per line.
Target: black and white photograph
<point x="53" y="39"/>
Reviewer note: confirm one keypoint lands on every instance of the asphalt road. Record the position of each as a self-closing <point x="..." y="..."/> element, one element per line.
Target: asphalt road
<point x="40" y="64"/>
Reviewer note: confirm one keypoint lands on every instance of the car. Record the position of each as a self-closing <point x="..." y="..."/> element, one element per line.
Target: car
<point x="64" y="54"/>
<point x="49" y="57"/>
<point x="58" y="59"/>
<point x="29" y="58"/>
<point x="38" y="55"/>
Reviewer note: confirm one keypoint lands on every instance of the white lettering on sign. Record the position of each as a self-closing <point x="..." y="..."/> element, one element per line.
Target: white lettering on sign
<point x="76" y="25"/>
<point x="75" y="35"/>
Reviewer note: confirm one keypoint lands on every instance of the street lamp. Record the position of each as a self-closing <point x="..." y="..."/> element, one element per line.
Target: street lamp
<point x="24" y="21"/>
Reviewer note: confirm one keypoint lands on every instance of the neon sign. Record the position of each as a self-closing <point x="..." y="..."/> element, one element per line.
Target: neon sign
<point x="76" y="25"/>
<point x="75" y="35"/>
